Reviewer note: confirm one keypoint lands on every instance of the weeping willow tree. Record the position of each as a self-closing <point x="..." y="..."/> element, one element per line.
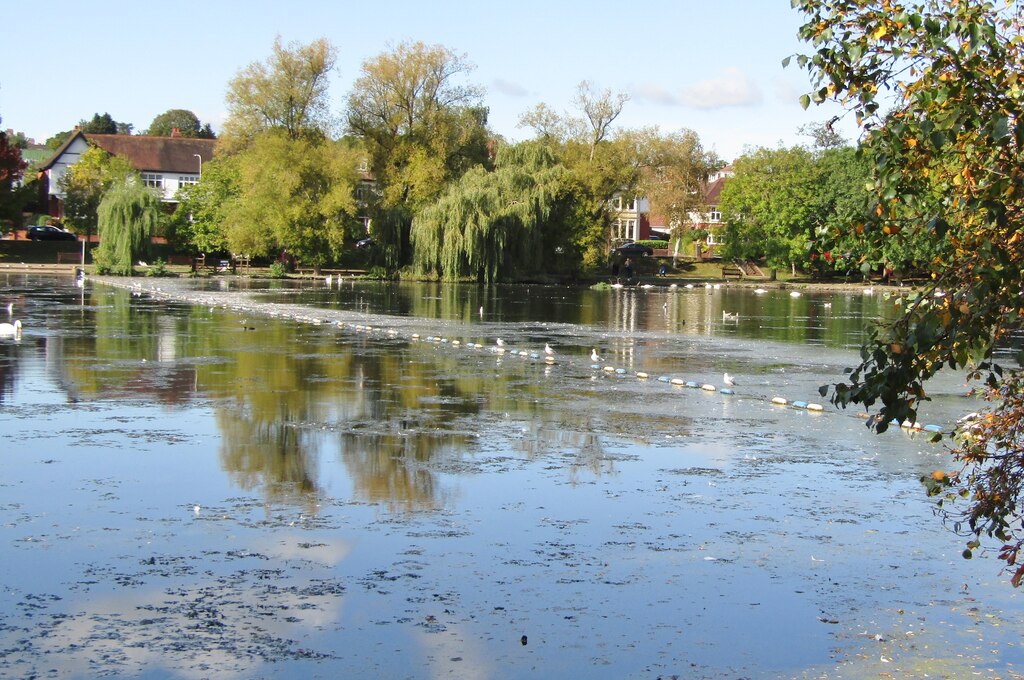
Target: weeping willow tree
<point x="492" y="225"/>
<point x="128" y="216"/>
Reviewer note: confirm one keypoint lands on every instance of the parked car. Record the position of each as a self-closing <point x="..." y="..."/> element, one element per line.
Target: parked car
<point x="365" y="243"/>
<point x="634" y="249"/>
<point x="46" y="232"/>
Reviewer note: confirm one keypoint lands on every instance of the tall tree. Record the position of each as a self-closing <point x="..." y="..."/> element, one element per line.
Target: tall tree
<point x="492" y="224"/>
<point x="128" y="216"/>
<point x="184" y="121"/>
<point x="100" y="124"/>
<point x="767" y="206"/>
<point x="673" y="170"/>
<point x="294" y="194"/>
<point x="421" y="128"/>
<point x="600" y="109"/>
<point x="946" y="166"/>
<point x="288" y="91"/>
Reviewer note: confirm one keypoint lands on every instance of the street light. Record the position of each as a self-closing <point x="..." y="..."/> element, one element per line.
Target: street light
<point x="200" y="163"/>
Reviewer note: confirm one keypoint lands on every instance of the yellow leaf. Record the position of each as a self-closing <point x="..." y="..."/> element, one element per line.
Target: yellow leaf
<point x="879" y="32"/>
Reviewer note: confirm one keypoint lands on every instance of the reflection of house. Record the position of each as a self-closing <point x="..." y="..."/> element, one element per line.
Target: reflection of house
<point x="165" y="163"/>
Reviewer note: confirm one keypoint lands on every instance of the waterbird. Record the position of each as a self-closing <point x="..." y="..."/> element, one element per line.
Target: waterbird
<point x="10" y="308"/>
<point x="500" y="342"/>
<point x="594" y="356"/>
<point x="730" y="316"/>
<point x="728" y="380"/>
<point x="481" y="311"/>
<point x="794" y="293"/>
<point x="548" y="350"/>
<point x="10" y="330"/>
<point x="760" y="291"/>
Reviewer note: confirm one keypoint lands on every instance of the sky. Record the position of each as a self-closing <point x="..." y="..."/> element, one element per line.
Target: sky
<point x="712" y="67"/>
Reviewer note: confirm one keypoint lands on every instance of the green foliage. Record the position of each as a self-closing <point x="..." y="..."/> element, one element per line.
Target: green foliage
<point x="157" y="268"/>
<point x="198" y="223"/>
<point x="128" y="216"/>
<point x="184" y="121"/>
<point x="278" y="270"/>
<point x="421" y="130"/>
<point x="288" y="92"/>
<point x="85" y="183"/>
<point x="293" y="194"/>
<point x="946" y="168"/>
<point x="768" y="206"/>
<point x="490" y="224"/>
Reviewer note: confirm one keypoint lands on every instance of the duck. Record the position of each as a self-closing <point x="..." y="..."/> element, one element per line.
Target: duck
<point x="594" y="356"/>
<point x="10" y="330"/>
<point x="548" y="350"/>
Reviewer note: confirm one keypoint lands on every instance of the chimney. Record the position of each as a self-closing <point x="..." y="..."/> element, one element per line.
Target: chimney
<point x="175" y="132"/>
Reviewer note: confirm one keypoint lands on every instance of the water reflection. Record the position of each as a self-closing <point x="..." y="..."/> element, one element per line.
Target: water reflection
<point x="285" y="394"/>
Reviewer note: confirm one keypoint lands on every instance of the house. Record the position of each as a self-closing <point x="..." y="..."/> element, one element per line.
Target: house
<point x="709" y="221"/>
<point x="629" y="218"/>
<point x="165" y="163"/>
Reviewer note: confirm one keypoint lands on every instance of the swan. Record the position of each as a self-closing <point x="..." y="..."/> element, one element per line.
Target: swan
<point x="10" y="330"/>
<point x="794" y="293"/>
<point x="728" y="380"/>
<point x="594" y="356"/>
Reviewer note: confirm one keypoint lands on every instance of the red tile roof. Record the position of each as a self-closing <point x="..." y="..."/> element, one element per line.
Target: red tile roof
<point x="149" y="154"/>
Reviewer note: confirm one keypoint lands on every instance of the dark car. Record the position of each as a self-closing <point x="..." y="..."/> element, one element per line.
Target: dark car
<point x="47" y="232"/>
<point x="365" y="243"/>
<point x="634" y="249"/>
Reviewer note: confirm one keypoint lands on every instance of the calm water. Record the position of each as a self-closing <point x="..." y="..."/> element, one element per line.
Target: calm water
<point x="217" y="479"/>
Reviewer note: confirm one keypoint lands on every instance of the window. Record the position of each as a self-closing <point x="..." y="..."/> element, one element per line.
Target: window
<point x="188" y="180"/>
<point x="714" y="215"/>
<point x="631" y="204"/>
<point x="151" y="180"/>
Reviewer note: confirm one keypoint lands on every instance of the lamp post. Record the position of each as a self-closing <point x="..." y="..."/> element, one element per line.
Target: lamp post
<point x="200" y="164"/>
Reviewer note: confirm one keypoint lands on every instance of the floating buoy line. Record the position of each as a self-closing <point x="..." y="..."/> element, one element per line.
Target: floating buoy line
<point x="546" y="355"/>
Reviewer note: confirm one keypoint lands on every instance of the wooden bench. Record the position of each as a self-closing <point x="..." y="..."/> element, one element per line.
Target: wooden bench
<point x="66" y="256"/>
<point x="732" y="271"/>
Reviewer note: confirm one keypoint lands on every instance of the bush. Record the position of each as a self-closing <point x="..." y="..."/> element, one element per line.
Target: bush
<point x="278" y="270"/>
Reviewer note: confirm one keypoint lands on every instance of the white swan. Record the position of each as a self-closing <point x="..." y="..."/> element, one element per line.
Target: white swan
<point x="10" y="330"/>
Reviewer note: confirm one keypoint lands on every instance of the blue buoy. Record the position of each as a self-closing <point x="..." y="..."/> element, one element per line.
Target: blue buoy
<point x="933" y="428"/>
<point x="799" y="404"/>
<point x="726" y="390"/>
<point x="596" y="367"/>
<point x="663" y="378"/>
<point x="691" y="383"/>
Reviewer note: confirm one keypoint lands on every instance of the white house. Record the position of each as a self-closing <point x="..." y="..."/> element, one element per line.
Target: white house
<point x="165" y="163"/>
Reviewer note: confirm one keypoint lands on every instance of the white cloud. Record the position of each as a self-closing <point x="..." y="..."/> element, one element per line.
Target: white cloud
<point x="509" y="88"/>
<point x="656" y="94"/>
<point x="731" y="87"/>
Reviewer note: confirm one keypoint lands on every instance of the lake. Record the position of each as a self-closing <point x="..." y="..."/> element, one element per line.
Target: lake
<point x="226" y="478"/>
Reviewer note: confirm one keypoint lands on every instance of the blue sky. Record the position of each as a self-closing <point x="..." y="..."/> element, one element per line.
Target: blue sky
<point x="714" y="67"/>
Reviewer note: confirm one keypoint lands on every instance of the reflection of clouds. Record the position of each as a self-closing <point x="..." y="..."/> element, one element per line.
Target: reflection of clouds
<point x="453" y="653"/>
<point x="226" y="627"/>
<point x="327" y="552"/>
